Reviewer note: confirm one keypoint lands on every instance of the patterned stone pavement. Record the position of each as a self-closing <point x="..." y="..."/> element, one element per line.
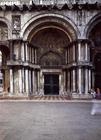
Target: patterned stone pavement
<point x="39" y="98"/>
<point x="51" y="98"/>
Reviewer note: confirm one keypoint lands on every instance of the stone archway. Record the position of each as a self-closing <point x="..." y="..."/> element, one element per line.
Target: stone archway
<point x="50" y="34"/>
<point x="43" y="20"/>
<point x="51" y="42"/>
<point x="94" y="34"/>
<point x="4" y="56"/>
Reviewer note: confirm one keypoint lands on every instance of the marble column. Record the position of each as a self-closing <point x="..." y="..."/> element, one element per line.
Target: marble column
<point x="86" y="51"/>
<point x="64" y="81"/>
<point x="61" y="86"/>
<point x="68" y="82"/>
<point x="30" y="54"/>
<point x="26" y="50"/>
<point x="23" y="81"/>
<point x="30" y="82"/>
<point x="74" y="80"/>
<point x="26" y="82"/>
<point x="20" y="81"/>
<point x="33" y="81"/>
<point x="35" y="57"/>
<point x="74" y="52"/>
<point x="41" y="2"/>
<point x="38" y="77"/>
<point x="66" y="55"/>
<point x="23" y="52"/>
<point x="79" y="51"/>
<point x="11" y="82"/>
<point x="89" y="79"/>
<point x="86" y="81"/>
<point x="79" y="81"/>
<point x="88" y="54"/>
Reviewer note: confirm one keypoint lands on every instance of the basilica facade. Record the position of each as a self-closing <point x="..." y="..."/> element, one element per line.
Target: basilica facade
<point x="50" y="47"/>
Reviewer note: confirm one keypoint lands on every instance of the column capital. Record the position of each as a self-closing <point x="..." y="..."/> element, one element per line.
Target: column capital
<point x="83" y="41"/>
<point x="78" y="41"/>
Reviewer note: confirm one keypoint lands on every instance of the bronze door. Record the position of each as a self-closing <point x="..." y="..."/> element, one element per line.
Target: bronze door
<point x="51" y="84"/>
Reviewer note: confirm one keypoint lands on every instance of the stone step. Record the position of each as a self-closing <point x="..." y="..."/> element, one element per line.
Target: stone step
<point x="39" y="98"/>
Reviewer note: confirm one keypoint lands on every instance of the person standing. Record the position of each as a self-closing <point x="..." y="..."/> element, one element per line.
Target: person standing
<point x="93" y="93"/>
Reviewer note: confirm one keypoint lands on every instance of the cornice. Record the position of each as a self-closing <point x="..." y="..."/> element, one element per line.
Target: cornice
<point x="34" y="7"/>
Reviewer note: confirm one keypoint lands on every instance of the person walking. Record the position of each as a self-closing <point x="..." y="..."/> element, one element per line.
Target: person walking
<point x="96" y="107"/>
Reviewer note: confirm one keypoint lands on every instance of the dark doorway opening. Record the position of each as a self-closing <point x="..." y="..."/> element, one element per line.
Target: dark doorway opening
<point x="98" y="71"/>
<point x="51" y="84"/>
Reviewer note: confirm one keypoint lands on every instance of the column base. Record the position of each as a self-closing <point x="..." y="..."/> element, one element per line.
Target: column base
<point x="41" y="92"/>
<point x="10" y="94"/>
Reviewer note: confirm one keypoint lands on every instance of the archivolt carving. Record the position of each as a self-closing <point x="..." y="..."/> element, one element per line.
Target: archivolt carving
<point x="48" y="18"/>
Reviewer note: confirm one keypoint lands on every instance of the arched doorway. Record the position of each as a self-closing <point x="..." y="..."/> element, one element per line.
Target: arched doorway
<point x="4" y="56"/>
<point x="51" y="57"/>
<point x="51" y="80"/>
<point x="4" y="70"/>
<point x="95" y="37"/>
<point x="50" y="33"/>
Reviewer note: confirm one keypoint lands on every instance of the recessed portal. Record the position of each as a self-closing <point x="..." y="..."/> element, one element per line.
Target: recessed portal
<point x="98" y="71"/>
<point x="51" y="84"/>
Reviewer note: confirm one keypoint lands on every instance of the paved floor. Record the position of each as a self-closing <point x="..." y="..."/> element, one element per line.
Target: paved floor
<point x="48" y="121"/>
